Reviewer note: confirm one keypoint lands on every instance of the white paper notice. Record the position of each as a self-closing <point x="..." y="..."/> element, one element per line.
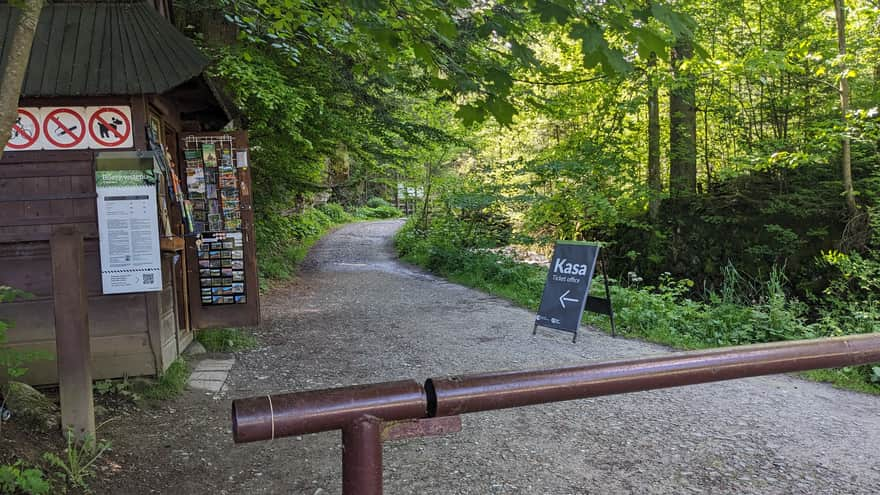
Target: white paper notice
<point x="241" y="159"/>
<point x="128" y="227"/>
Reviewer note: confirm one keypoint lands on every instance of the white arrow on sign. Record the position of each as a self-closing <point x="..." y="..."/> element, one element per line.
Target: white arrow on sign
<point x="562" y="299"/>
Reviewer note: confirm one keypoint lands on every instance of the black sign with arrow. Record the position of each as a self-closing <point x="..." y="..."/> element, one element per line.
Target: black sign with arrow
<point x="568" y="286"/>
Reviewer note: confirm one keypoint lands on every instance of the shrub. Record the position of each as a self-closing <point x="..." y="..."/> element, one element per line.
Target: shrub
<point x="379" y="212"/>
<point x="283" y="239"/>
<point x="376" y="202"/>
<point x="16" y="478"/>
<point x="335" y="212"/>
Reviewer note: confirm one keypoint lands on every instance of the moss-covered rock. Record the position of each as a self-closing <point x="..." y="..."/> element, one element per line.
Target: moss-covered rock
<point x="30" y="407"/>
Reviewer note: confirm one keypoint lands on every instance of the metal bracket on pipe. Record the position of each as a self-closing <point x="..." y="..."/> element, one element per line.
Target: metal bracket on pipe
<point x="416" y="428"/>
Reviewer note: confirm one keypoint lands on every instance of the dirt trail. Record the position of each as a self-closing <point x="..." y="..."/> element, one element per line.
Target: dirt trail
<point x="355" y="315"/>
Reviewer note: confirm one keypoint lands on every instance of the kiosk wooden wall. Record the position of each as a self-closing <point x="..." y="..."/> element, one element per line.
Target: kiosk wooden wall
<point x="131" y="334"/>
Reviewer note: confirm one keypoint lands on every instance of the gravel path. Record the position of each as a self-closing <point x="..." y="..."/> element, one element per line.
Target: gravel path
<point x="355" y="315"/>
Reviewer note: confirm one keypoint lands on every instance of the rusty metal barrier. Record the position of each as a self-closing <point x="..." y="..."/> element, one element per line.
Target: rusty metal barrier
<point x="367" y="415"/>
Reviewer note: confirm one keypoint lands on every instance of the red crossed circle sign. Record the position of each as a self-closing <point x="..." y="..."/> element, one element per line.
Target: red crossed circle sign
<point x="25" y="131"/>
<point x="64" y="128"/>
<point x="109" y="127"/>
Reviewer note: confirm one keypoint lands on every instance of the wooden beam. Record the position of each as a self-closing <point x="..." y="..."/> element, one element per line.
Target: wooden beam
<point x="73" y="353"/>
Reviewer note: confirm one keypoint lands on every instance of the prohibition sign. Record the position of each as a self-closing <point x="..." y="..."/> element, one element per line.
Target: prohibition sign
<point x="24" y="134"/>
<point x="70" y="128"/>
<point x="109" y="133"/>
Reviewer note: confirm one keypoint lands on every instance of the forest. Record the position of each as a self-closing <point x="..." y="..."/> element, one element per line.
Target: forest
<point x="725" y="153"/>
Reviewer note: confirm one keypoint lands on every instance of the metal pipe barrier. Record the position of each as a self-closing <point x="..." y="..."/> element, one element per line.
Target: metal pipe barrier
<point x="367" y="415"/>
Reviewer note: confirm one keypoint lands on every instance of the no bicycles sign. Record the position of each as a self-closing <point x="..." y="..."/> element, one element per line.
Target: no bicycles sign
<point x="71" y="128"/>
<point x="25" y="130"/>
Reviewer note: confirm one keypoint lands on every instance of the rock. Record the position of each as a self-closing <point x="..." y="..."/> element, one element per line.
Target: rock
<point x="195" y="348"/>
<point x="30" y="407"/>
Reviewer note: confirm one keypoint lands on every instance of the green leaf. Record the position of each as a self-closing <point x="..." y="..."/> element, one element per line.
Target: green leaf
<point x="549" y="10"/>
<point x="648" y="42"/>
<point x="423" y="52"/>
<point x="524" y="54"/>
<point x="470" y="114"/>
<point x="501" y="80"/>
<point x="446" y="27"/>
<point x="590" y="36"/>
<point x="441" y="84"/>
<point x="679" y="24"/>
<point x="502" y="110"/>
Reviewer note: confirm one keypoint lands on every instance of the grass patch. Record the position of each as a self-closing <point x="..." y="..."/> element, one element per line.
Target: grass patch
<point x="282" y="264"/>
<point x="660" y="314"/>
<point x="170" y="384"/>
<point x="226" y="339"/>
<point x="843" y="378"/>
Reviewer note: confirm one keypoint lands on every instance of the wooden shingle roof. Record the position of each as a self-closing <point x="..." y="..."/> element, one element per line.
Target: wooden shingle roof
<point x="103" y="49"/>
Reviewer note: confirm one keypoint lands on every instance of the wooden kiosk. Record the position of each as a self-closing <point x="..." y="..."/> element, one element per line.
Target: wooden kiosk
<point x="110" y="84"/>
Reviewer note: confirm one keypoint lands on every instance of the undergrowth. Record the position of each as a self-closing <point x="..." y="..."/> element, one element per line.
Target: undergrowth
<point x="284" y="235"/>
<point x="170" y="384"/>
<point x="659" y="313"/>
<point x="226" y="339"/>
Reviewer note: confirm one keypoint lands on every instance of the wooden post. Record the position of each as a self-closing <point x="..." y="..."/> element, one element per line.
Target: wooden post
<point x="72" y="331"/>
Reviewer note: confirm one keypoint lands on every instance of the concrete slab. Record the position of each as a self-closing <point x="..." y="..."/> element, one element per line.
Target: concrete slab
<point x="211" y="374"/>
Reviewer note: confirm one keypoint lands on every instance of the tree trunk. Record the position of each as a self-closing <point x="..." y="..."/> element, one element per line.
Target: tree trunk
<point x="682" y="123"/>
<point x="845" y="159"/>
<point x="16" y="65"/>
<point x="425" y="218"/>
<point x="655" y="185"/>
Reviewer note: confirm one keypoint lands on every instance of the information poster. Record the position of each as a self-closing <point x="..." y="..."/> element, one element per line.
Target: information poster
<point x="128" y="223"/>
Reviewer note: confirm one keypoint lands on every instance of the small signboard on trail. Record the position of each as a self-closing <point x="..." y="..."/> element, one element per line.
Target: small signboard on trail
<point x="568" y="286"/>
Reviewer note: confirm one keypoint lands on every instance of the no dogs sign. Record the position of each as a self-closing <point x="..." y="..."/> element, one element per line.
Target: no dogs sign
<point x="71" y="128"/>
<point x="110" y="127"/>
<point x="568" y="285"/>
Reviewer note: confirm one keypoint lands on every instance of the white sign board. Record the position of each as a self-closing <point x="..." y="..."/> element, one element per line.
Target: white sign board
<point x="128" y="230"/>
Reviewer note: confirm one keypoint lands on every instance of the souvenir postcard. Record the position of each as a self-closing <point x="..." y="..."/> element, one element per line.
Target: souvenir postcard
<point x="209" y="154"/>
